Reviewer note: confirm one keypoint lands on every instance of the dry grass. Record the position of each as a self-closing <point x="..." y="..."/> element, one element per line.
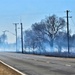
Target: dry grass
<point x="4" y="70"/>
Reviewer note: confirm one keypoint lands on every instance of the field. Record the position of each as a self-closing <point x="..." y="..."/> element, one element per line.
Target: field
<point x="5" y="70"/>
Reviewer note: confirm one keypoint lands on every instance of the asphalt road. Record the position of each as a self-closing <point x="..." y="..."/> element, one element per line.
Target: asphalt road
<point x="39" y="65"/>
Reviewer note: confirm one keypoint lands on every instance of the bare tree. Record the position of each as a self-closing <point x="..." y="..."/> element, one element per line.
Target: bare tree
<point x="48" y="28"/>
<point x="3" y="38"/>
<point x="53" y="24"/>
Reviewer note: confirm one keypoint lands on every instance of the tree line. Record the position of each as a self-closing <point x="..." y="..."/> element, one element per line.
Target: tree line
<point x="48" y="35"/>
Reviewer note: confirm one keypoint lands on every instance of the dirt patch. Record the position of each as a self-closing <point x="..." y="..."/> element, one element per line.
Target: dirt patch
<point x="5" y="70"/>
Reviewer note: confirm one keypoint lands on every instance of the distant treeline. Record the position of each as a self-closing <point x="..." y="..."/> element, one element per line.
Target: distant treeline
<point x="45" y="37"/>
<point x="48" y="35"/>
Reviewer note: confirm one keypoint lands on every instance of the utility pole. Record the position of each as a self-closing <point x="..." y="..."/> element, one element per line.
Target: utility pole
<point x="67" y="12"/>
<point x="22" y="36"/>
<point x="4" y="41"/>
<point x="16" y="34"/>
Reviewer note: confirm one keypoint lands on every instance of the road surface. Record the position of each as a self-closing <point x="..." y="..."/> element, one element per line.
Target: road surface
<point x="39" y="65"/>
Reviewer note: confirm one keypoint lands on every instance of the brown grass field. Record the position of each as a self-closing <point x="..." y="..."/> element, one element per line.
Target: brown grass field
<point x="5" y="70"/>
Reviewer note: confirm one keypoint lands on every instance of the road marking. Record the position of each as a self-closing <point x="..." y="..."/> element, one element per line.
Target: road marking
<point x="67" y="65"/>
<point x="13" y="68"/>
<point x="47" y="62"/>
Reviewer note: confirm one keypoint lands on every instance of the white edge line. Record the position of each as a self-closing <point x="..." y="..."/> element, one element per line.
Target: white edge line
<point x="13" y="68"/>
<point x="67" y="65"/>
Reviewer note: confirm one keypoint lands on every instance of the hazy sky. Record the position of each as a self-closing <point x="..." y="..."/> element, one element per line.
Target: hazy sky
<point x="31" y="11"/>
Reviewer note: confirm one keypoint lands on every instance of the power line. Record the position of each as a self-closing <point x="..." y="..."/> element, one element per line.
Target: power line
<point x="73" y="21"/>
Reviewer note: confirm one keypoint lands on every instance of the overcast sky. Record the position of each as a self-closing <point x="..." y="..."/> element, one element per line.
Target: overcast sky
<point x="31" y="11"/>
